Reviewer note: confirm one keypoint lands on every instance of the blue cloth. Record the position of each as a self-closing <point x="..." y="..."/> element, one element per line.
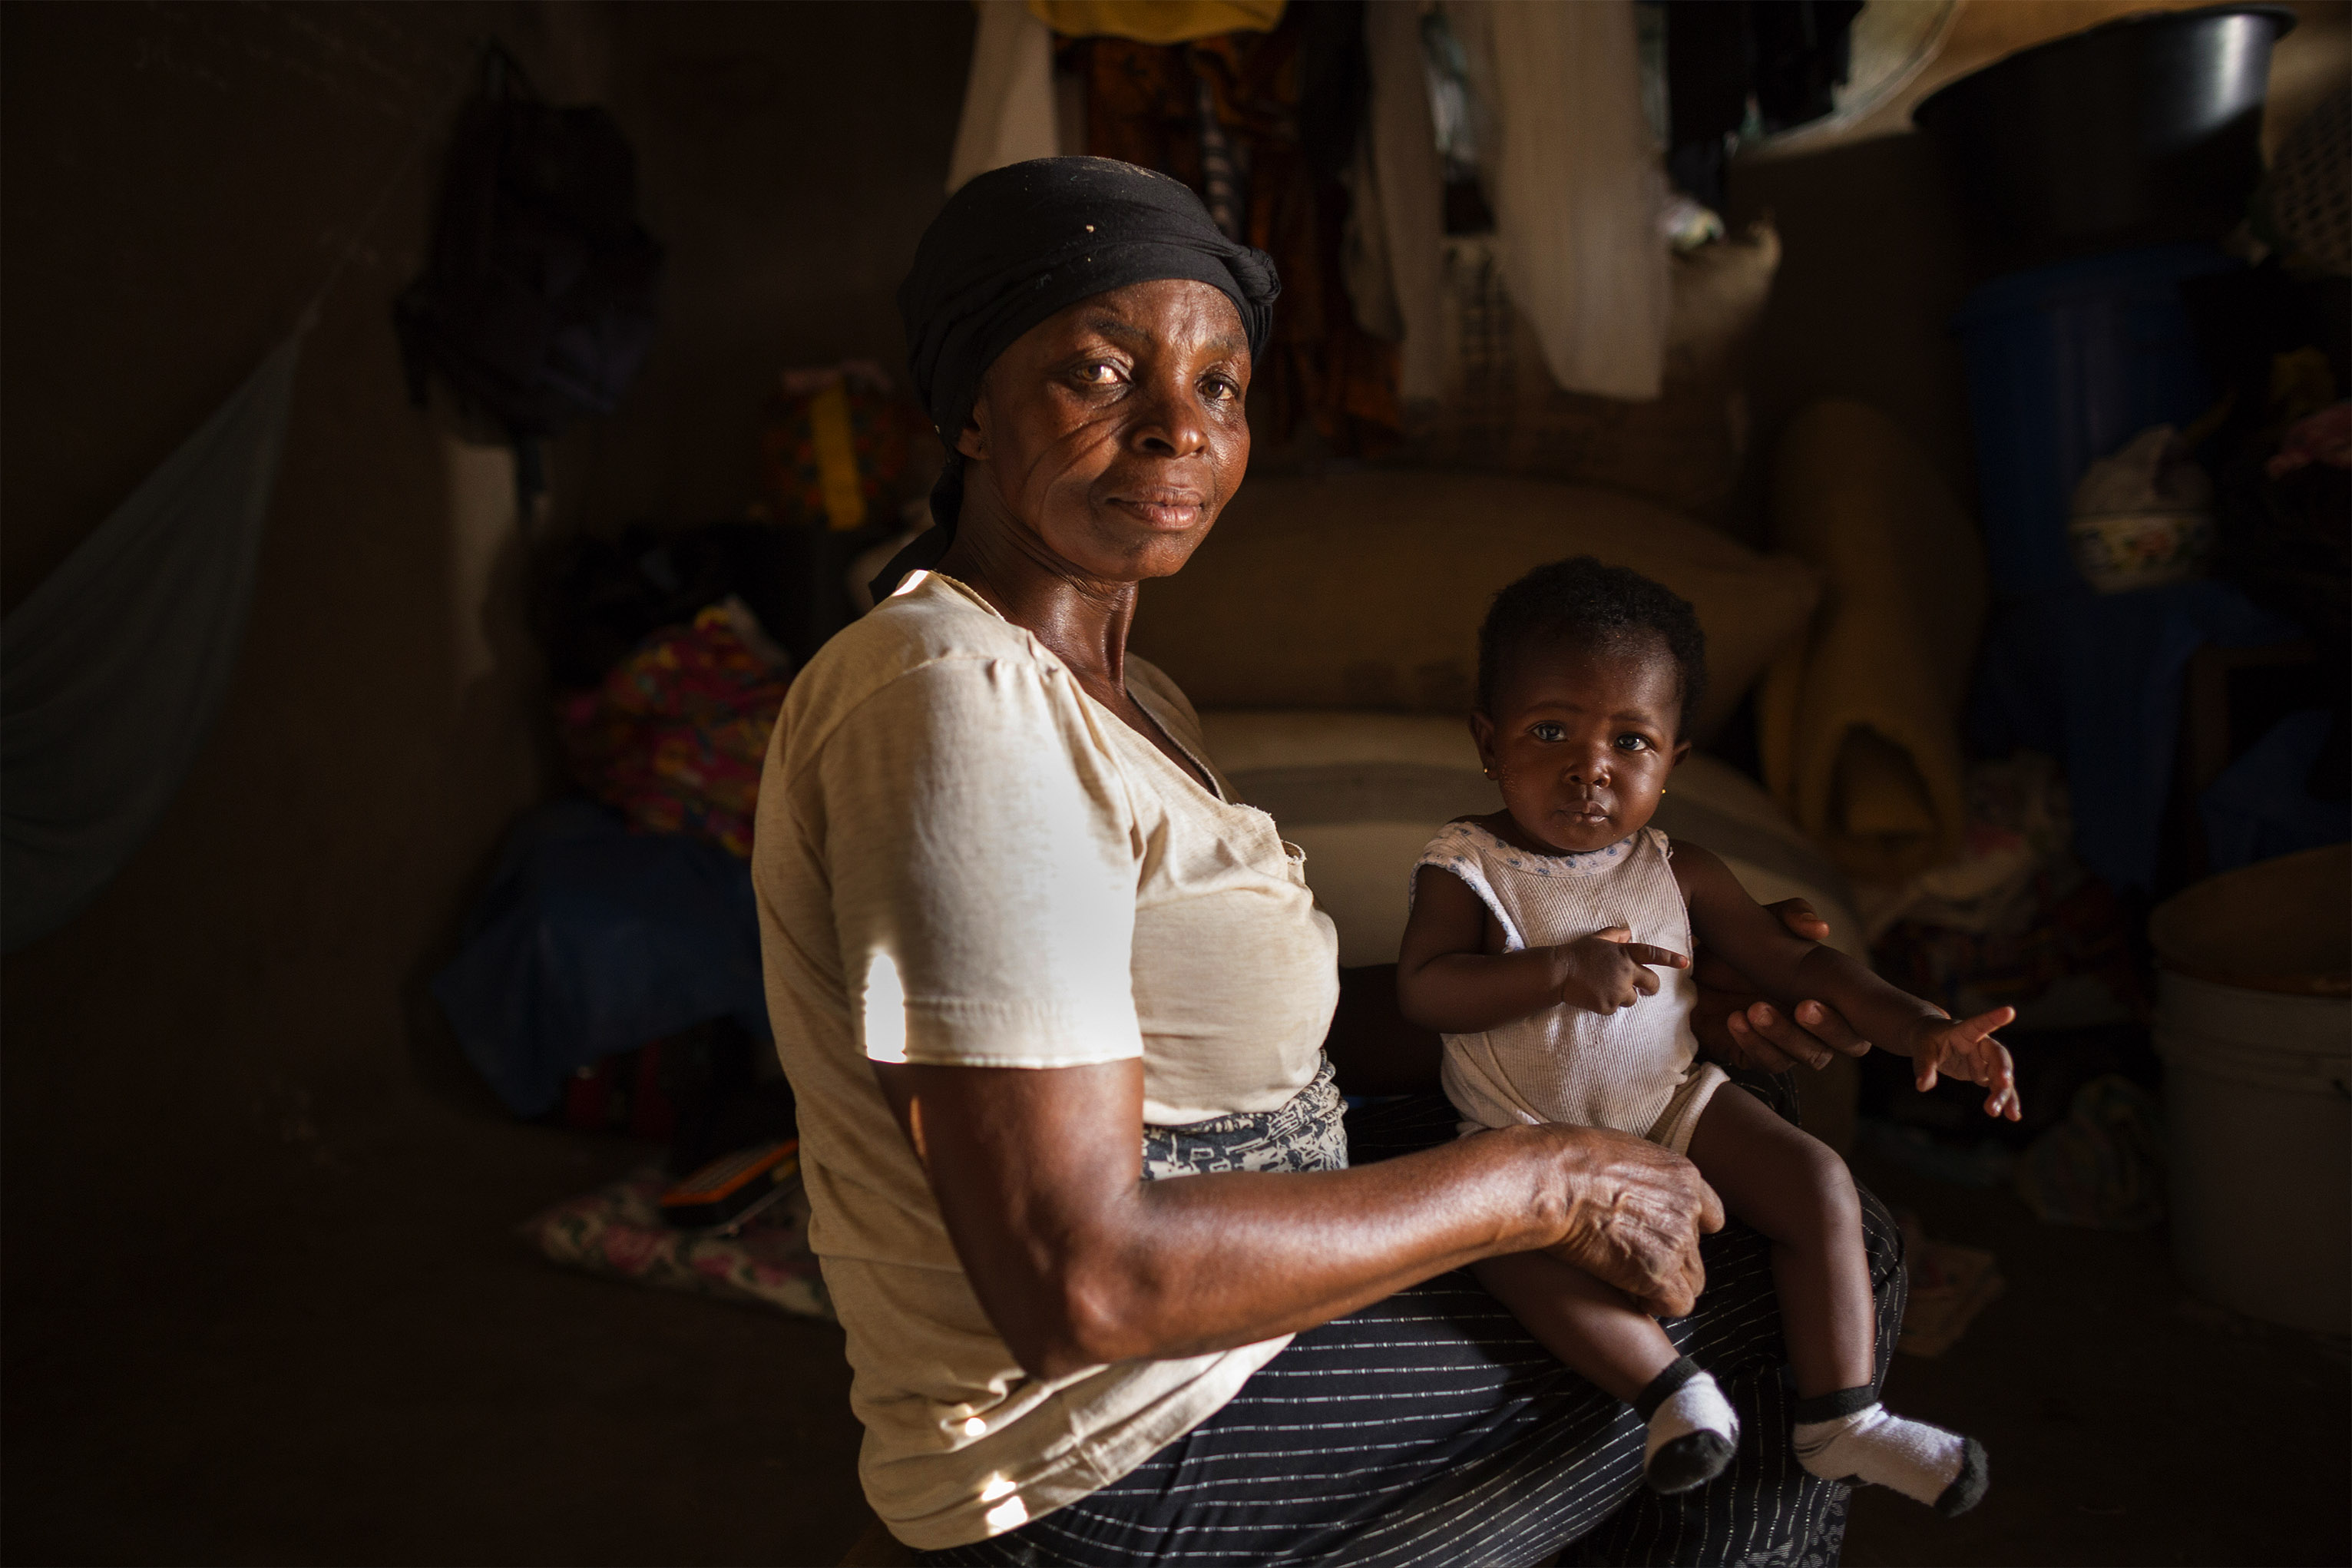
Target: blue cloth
<point x="2261" y="806"/>
<point x="2094" y="680"/>
<point x="592" y="941"/>
<point x="2066" y="363"/>
<point x="111" y="670"/>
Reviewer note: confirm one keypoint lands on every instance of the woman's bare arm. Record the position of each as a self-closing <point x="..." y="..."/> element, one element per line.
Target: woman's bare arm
<point x="1786" y="969"/>
<point x="1738" y="1028"/>
<point x="1079" y="1261"/>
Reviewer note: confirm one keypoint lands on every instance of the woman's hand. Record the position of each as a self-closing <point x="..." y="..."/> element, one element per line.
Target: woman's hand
<point x="1635" y="1213"/>
<point x="1608" y="970"/>
<point x="1739" y="1028"/>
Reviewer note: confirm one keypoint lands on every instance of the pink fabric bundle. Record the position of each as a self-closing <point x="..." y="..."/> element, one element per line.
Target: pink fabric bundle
<point x="675" y="736"/>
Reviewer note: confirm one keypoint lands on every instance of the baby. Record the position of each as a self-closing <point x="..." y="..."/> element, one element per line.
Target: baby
<point x="1550" y="944"/>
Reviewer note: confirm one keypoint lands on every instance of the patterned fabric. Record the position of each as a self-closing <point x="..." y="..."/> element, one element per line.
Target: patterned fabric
<point x="1430" y="1428"/>
<point x="1270" y="94"/>
<point x="836" y="446"/>
<point x="2068" y="924"/>
<point x="1309" y="1133"/>
<point x="618" y="1231"/>
<point x="673" y="738"/>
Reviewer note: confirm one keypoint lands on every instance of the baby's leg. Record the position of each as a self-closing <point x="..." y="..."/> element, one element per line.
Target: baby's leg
<point x="1795" y="1189"/>
<point x="1594" y="1328"/>
<point x="1613" y="1344"/>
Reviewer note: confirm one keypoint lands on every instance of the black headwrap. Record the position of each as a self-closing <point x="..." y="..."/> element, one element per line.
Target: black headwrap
<point x="1017" y="244"/>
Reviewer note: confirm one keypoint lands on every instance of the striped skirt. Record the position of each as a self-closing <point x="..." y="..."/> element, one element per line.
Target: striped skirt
<point x="1430" y="1428"/>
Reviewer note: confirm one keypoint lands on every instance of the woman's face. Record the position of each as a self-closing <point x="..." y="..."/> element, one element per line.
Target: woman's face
<point x="1114" y="431"/>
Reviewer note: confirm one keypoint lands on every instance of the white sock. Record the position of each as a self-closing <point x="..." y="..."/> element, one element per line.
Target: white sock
<point x="1685" y="1403"/>
<point x="1924" y="1463"/>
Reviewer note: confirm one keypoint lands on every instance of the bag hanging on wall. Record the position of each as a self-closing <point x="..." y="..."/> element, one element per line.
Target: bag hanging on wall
<point x="537" y="305"/>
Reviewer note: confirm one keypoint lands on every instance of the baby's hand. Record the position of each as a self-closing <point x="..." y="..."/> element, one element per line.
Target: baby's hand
<point x="1609" y="969"/>
<point x="1965" y="1048"/>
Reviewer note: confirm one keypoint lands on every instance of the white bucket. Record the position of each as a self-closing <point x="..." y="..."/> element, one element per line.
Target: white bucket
<point x="2258" y="1089"/>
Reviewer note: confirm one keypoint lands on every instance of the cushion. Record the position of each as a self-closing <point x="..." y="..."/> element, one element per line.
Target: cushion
<point x="1859" y="728"/>
<point x="1364" y="590"/>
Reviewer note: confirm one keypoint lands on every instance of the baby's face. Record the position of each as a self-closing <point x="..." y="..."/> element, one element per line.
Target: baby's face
<point x="1580" y="741"/>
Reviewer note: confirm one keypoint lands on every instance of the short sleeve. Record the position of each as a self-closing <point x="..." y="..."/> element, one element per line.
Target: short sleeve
<point x="980" y="844"/>
<point x="1454" y="850"/>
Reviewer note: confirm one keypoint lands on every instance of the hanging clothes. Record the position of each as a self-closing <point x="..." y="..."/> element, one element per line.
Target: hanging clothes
<point x="1803" y="52"/>
<point x="1396" y="262"/>
<point x="1265" y="89"/>
<point x="1575" y="184"/>
<point x="1708" y="71"/>
<point x="1789" y="56"/>
<point x="1157" y="21"/>
<point x="1008" y="99"/>
<point x="1223" y="169"/>
<point x="111" y="671"/>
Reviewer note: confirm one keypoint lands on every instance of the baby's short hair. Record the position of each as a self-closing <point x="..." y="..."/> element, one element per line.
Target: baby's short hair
<point x="1583" y="604"/>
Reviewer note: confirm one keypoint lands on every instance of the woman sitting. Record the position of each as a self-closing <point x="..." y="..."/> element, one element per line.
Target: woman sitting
<point x="1028" y="960"/>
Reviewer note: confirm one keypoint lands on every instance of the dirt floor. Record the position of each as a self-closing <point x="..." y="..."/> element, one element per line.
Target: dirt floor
<point x="375" y="1370"/>
<point x="2127" y="1422"/>
<point x="380" y="1372"/>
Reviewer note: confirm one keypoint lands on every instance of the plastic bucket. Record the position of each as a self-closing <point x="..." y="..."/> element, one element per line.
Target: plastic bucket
<point x="2258" y="1087"/>
<point x="2065" y="364"/>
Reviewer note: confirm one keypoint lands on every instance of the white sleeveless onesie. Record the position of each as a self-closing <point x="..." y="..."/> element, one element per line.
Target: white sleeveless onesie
<point x="1637" y="1070"/>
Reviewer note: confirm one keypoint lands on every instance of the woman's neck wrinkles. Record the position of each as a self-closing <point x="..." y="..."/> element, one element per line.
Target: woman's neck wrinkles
<point x="1082" y="619"/>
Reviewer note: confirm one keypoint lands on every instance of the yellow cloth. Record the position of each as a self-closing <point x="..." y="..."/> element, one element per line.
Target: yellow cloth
<point x="1157" y="21"/>
<point x="1858" y="722"/>
<point x="836" y="459"/>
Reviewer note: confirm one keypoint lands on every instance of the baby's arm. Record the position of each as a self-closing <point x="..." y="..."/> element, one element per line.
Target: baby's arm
<point x="1448" y="981"/>
<point x="1787" y="968"/>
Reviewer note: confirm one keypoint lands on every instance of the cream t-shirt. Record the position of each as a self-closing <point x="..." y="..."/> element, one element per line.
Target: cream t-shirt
<point x="962" y="858"/>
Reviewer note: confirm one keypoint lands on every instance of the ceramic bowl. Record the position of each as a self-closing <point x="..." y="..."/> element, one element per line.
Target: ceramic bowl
<point x="2119" y="552"/>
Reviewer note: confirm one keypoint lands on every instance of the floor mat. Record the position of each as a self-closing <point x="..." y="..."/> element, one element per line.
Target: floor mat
<point x="618" y="1231"/>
